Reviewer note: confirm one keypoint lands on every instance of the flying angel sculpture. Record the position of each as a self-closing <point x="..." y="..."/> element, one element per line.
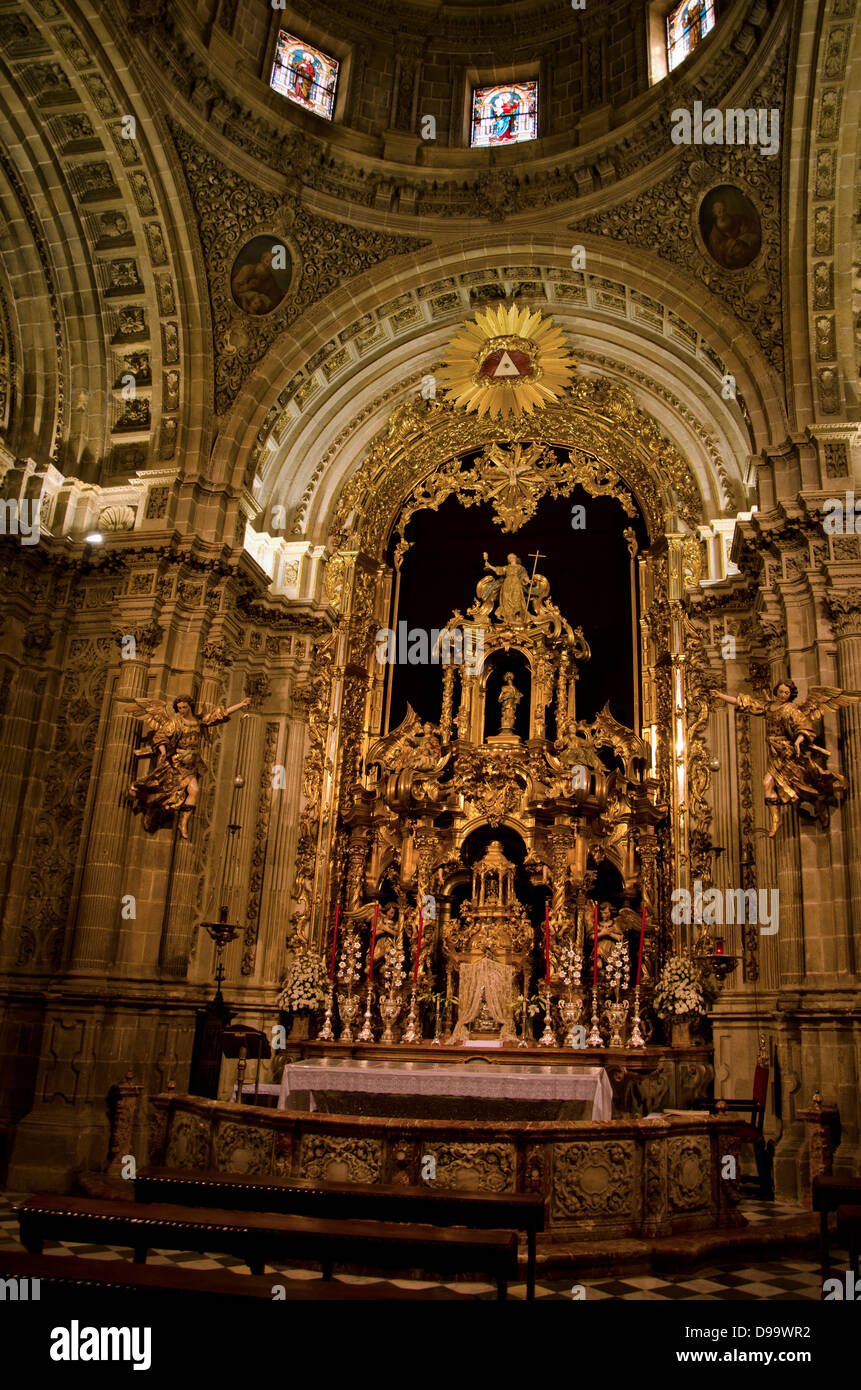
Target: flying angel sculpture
<point x="796" y="772"/>
<point x="176" y="738"/>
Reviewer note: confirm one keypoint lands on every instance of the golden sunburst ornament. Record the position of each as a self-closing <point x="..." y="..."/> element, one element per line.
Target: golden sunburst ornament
<point x="506" y="361"/>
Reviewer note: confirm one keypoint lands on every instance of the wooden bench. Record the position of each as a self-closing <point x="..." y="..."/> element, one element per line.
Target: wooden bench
<point x="849" y="1224"/>
<point x="829" y="1193"/>
<point x="119" y="1276"/>
<point x="508" y="1211"/>
<point x="261" y="1238"/>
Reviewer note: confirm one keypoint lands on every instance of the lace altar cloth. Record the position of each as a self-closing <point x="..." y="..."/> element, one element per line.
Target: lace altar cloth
<point x="494" y="1082"/>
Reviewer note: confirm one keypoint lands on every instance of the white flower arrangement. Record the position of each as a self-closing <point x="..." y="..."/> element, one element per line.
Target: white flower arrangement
<point x="350" y="961"/>
<point x="617" y="970"/>
<point x="305" y="986"/>
<point x="570" y="965"/>
<point x="393" y="966"/>
<point x="679" y="993"/>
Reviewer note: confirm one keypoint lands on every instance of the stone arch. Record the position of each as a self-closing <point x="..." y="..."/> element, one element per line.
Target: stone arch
<point x="118" y="248"/>
<point x="290" y="426"/>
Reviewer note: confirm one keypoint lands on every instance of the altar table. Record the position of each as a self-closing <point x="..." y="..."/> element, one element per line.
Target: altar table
<point x="509" y="1082"/>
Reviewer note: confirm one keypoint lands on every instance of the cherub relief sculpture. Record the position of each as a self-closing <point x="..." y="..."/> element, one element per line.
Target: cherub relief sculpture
<point x="390" y="927"/>
<point x="796" y="772"/>
<point x="413" y="745"/>
<point x="177" y="737"/>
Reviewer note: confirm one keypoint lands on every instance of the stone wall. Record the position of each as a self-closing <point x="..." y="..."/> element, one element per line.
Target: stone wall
<point x="643" y="1178"/>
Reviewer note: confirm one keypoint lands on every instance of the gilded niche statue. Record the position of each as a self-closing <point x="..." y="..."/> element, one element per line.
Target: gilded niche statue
<point x="509" y="699"/>
<point x="796" y="773"/>
<point x="176" y="739"/>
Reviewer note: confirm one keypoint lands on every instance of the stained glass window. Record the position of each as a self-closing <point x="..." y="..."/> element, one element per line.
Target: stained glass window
<point x="687" y="25"/>
<point x="305" y="75"/>
<point x="505" y="115"/>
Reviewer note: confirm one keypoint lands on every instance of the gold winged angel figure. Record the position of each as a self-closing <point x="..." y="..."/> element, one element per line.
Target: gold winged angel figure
<point x="176" y="738"/>
<point x="796" y="772"/>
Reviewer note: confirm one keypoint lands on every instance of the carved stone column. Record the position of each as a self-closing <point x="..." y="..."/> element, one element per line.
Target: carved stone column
<point x="275" y="914"/>
<point x="821" y="1122"/>
<point x="20" y="731"/>
<point x="845" y="610"/>
<point x="179" y="918"/>
<point x="104" y="884"/>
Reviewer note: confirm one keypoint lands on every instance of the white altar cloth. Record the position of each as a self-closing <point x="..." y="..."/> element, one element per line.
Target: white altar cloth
<point x="496" y="1082"/>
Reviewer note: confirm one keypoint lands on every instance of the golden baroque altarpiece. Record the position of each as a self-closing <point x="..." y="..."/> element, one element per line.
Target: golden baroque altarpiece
<point x="397" y="807"/>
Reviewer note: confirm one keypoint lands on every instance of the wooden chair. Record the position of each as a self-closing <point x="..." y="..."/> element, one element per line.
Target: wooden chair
<point x="849" y="1226"/>
<point x="750" y="1132"/>
<point x="829" y="1193"/>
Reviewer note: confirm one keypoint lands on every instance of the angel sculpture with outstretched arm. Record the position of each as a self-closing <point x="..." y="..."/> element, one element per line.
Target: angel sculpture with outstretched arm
<point x="176" y="738"/>
<point x="796" y="772"/>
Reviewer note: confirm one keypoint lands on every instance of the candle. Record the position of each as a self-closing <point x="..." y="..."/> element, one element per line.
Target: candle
<point x="547" y="938"/>
<point x="640" y="953"/>
<point x="595" y="961"/>
<point x="373" y="940"/>
<point x="334" y="941"/>
<point x="418" y="950"/>
<point x="719" y="946"/>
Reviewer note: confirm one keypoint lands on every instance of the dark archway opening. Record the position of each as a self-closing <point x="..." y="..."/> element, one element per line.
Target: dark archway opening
<point x="589" y="574"/>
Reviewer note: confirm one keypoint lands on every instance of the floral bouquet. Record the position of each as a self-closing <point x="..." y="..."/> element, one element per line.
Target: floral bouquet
<point x="534" y="1005"/>
<point x="570" y="965"/>
<point x="617" y="970"/>
<point x="679" y="993"/>
<point x="305" y="985"/>
<point x="350" y="961"/>
<point x="393" y="966"/>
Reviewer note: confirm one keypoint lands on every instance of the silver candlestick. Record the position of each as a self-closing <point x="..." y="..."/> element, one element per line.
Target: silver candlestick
<point x="636" y="1039"/>
<point x="548" y="1037"/>
<point x="594" y="1039"/>
<point x="437" y="1040"/>
<point x="326" y="1034"/>
<point x="367" y="1032"/>
<point x="411" y="1032"/>
<point x="524" y="1041"/>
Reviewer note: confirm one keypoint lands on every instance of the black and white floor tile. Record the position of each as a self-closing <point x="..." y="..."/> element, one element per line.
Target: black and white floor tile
<point x="778" y="1280"/>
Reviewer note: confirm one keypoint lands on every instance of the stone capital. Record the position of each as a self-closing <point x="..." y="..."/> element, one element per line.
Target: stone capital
<point x="844" y="608"/>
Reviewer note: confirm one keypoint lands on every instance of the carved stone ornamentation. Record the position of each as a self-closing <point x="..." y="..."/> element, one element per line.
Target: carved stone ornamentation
<point x="188" y="1142"/>
<point x="844" y="606"/>
<point x="485" y="1167"/>
<point x="334" y="1159"/>
<point x="590" y="1179"/>
<point x="258" y="853"/>
<point x="689" y="1167"/>
<point x="241" y="1149"/>
<point x="230" y="210"/>
<point x="662" y="220"/>
<point x="610" y="446"/>
<point x="124" y="1103"/>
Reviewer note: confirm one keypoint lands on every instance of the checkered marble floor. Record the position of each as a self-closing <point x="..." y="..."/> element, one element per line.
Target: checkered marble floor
<point x="778" y="1280"/>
